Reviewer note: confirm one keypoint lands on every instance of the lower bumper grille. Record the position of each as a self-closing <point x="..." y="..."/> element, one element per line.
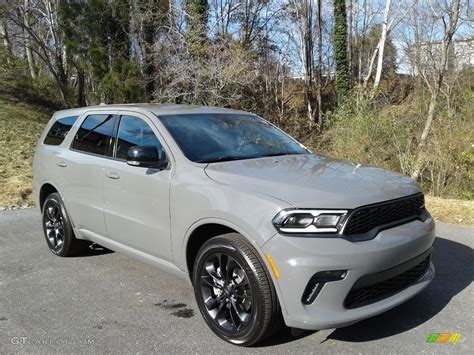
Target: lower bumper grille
<point x="373" y="288"/>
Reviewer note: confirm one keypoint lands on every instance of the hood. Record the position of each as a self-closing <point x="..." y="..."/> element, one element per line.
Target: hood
<point x="313" y="181"/>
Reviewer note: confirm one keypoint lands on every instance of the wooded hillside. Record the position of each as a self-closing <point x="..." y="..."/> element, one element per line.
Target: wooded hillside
<point x="388" y="83"/>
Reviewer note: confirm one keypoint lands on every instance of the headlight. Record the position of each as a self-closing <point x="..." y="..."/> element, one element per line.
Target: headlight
<point x="309" y="221"/>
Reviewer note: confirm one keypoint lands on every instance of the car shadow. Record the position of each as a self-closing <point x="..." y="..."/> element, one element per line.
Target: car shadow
<point x="454" y="264"/>
<point x="94" y="249"/>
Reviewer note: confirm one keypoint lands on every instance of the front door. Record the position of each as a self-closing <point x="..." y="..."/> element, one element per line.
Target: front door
<point x="137" y="199"/>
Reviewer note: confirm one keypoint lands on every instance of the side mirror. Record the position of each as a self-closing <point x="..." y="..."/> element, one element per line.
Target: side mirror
<point x="146" y="156"/>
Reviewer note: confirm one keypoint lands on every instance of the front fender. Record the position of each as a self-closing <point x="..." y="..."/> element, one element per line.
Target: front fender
<point x="192" y="206"/>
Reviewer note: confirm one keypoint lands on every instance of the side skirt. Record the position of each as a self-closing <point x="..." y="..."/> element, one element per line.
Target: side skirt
<point x="133" y="253"/>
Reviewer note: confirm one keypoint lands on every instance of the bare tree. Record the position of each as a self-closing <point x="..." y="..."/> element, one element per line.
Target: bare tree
<point x="42" y="36"/>
<point x="431" y="59"/>
<point x="224" y="13"/>
<point x="28" y="51"/>
<point x="389" y="23"/>
<point x="301" y="11"/>
<point x="381" y="46"/>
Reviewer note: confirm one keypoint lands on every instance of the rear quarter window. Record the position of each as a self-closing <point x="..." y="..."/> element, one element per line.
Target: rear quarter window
<point x="59" y="130"/>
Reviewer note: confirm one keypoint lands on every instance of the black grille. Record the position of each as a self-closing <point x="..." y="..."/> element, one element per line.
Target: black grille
<point x="366" y="218"/>
<point x="364" y="293"/>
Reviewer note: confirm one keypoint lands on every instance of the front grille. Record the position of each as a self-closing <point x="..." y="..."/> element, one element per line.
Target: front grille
<point x="373" y="288"/>
<point x="366" y="218"/>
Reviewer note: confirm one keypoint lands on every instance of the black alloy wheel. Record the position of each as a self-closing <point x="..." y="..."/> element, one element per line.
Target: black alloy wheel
<point x="234" y="291"/>
<point x="58" y="229"/>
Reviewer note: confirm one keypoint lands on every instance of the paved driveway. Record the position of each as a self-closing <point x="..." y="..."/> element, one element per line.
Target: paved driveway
<point x="106" y="302"/>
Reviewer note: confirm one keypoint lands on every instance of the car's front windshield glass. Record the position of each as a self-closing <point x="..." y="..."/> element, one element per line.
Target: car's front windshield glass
<point x="216" y="137"/>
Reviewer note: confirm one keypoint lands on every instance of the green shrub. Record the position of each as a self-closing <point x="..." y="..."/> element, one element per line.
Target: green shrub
<point x="387" y="137"/>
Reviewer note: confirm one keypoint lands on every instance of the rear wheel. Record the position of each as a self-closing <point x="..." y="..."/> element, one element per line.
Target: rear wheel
<point x="57" y="228"/>
<point x="234" y="292"/>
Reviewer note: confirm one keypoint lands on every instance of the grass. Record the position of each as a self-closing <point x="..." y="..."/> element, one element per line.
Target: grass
<point x="21" y="125"/>
<point x="451" y="210"/>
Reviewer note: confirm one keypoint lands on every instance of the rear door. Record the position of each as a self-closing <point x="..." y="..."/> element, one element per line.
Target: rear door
<point x="136" y="198"/>
<point x="83" y="170"/>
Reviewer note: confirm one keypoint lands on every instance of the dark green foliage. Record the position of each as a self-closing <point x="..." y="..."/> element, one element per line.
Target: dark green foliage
<point x="340" y="50"/>
<point x="97" y="38"/>
<point x="152" y="16"/>
<point x="197" y="15"/>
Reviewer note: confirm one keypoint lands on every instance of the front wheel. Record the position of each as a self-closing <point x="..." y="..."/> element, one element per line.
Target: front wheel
<point x="234" y="292"/>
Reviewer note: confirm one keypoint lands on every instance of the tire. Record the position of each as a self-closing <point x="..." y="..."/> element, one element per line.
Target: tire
<point x="58" y="229"/>
<point x="234" y="292"/>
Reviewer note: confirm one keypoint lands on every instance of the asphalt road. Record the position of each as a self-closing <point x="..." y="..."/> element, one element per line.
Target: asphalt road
<point x="105" y="302"/>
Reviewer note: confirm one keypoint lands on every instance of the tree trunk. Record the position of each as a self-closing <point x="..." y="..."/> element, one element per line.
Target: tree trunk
<point x="320" y="67"/>
<point x="361" y="46"/>
<point x="6" y="39"/>
<point x="383" y="39"/>
<point x="340" y="51"/>
<point x="81" y="98"/>
<point x="308" y="60"/>
<point x="28" y="53"/>
<point x="424" y="135"/>
<point x="349" y="42"/>
<point x="371" y="65"/>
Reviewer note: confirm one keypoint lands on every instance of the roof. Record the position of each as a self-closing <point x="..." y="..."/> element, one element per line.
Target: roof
<point x="158" y="109"/>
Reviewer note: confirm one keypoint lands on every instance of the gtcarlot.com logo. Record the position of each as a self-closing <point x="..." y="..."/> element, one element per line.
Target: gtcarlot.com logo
<point x="22" y="340"/>
<point x="443" y="338"/>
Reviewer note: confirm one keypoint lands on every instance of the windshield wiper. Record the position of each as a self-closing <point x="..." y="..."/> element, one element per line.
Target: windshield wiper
<point x="278" y="154"/>
<point x="230" y="158"/>
<point x="221" y="159"/>
<point x="273" y="155"/>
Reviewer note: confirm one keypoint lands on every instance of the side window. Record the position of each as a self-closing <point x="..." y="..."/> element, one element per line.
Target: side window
<point x="134" y="131"/>
<point x="95" y="135"/>
<point x="59" y="130"/>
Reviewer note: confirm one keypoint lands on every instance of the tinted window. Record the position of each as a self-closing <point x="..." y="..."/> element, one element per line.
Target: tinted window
<point x="134" y="131"/>
<point x="95" y="134"/>
<point x="207" y="138"/>
<point x="59" y="130"/>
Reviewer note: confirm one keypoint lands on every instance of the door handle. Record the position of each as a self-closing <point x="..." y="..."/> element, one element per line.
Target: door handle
<point x="62" y="164"/>
<point x="113" y="175"/>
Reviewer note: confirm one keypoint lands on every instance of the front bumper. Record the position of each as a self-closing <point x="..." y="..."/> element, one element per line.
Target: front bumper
<point x="299" y="258"/>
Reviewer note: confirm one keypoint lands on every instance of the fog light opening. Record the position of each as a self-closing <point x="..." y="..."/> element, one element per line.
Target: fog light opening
<point x="317" y="282"/>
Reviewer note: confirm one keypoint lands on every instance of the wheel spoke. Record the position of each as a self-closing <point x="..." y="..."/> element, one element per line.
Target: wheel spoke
<point x="50" y="214"/>
<point x="230" y="267"/>
<point x="211" y="303"/>
<point x="243" y="284"/>
<point x="235" y="323"/>
<point x="219" y="309"/>
<point x="222" y="260"/>
<point x="56" y="238"/>
<point x="243" y="316"/>
<point x="205" y="279"/>
<point x="212" y="271"/>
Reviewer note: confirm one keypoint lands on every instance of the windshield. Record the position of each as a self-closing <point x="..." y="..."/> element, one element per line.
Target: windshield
<point x="207" y="138"/>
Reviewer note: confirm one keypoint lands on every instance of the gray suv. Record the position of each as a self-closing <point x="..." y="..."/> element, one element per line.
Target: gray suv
<point x="267" y="232"/>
